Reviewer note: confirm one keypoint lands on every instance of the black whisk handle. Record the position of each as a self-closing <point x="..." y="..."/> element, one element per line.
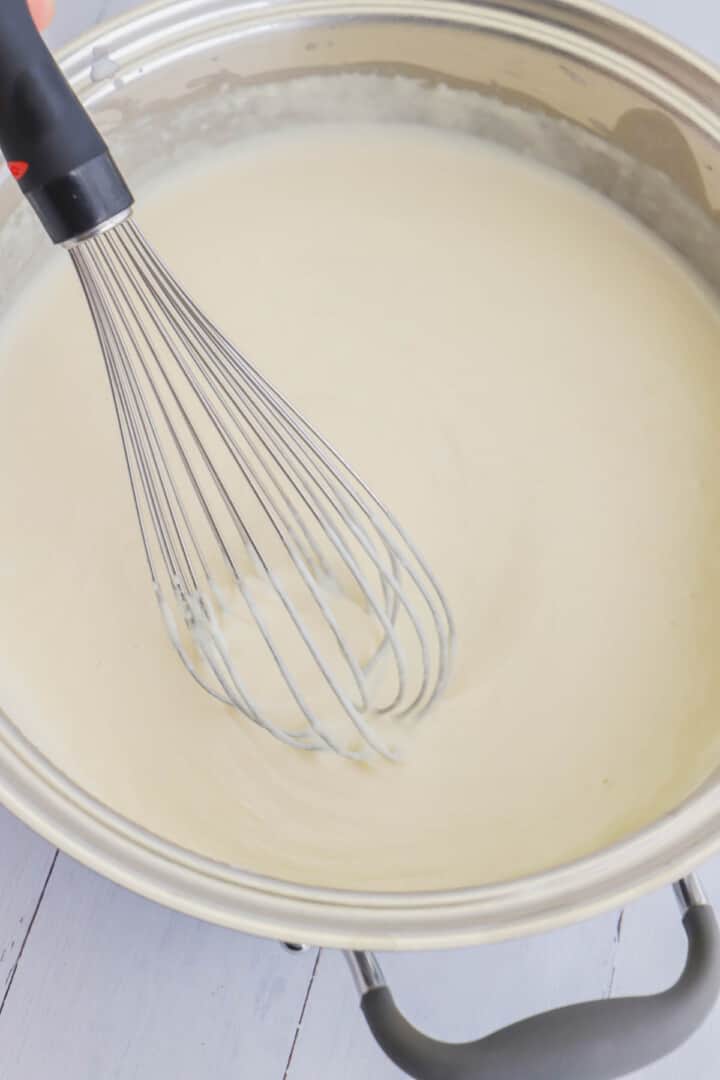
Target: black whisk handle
<point x="53" y="149"/>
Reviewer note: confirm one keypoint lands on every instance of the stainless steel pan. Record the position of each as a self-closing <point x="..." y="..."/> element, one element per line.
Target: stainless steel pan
<point x="595" y="96"/>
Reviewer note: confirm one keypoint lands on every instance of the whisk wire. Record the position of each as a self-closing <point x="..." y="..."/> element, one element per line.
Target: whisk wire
<point x="265" y="498"/>
<point x="170" y="368"/>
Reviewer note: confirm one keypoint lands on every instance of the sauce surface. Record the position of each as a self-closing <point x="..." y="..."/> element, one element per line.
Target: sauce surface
<point x="528" y="380"/>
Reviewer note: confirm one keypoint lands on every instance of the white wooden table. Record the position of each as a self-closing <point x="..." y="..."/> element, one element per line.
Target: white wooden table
<point x="97" y="984"/>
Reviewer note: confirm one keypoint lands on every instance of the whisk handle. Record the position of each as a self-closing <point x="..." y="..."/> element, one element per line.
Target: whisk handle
<point x="52" y="146"/>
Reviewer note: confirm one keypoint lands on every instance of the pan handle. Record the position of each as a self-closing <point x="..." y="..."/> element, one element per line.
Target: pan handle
<point x="599" y="1040"/>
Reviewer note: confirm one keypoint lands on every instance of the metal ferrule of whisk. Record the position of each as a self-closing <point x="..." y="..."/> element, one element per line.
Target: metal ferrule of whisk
<point x="288" y="589"/>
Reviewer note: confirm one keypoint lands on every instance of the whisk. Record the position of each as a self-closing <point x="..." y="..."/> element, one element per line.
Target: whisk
<point x="289" y="591"/>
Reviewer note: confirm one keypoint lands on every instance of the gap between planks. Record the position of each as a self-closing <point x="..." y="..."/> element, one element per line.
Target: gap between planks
<point x="301" y="1017"/>
<point x="13" y="971"/>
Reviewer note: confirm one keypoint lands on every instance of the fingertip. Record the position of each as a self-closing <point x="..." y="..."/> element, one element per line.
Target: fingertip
<point x="42" y="12"/>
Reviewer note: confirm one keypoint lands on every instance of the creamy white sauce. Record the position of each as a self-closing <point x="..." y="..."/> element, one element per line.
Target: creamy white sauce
<point x="529" y="381"/>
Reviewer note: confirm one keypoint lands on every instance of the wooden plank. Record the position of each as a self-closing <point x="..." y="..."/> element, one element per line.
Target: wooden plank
<point x="25" y="863"/>
<point x="650" y="957"/>
<point x="453" y="995"/>
<point x="73" y="18"/>
<point x="693" y="22"/>
<point x="114" y="987"/>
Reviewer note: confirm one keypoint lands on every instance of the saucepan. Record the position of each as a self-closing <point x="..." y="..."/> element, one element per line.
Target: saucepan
<point x="589" y="93"/>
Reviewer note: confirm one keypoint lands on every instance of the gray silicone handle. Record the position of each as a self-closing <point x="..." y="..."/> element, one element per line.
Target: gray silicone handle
<point x="600" y="1040"/>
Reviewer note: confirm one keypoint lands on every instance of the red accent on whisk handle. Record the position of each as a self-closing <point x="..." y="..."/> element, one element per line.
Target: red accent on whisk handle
<point x="69" y="175"/>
